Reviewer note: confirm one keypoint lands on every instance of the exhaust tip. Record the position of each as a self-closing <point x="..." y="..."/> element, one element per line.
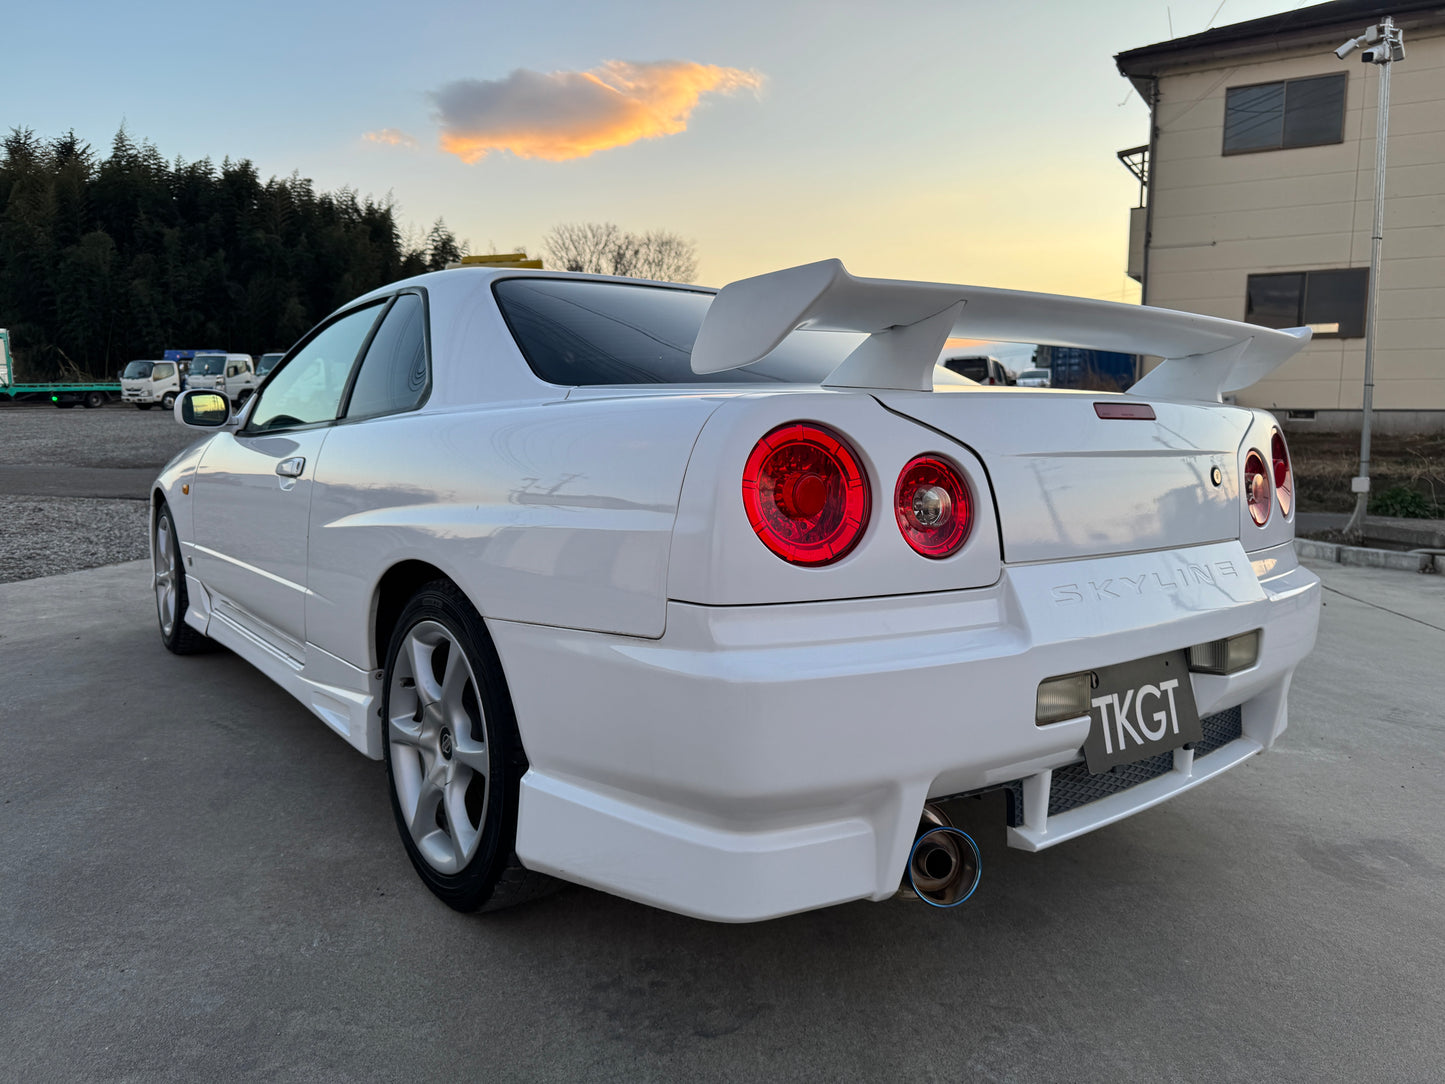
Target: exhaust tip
<point x="944" y="867"/>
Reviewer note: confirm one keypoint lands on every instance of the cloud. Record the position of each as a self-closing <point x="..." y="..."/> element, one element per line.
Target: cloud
<point x="562" y="115"/>
<point x="391" y="137"/>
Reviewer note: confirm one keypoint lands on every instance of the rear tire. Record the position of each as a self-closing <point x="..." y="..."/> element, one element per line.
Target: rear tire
<point x="94" y="399"/>
<point x="172" y="600"/>
<point x="454" y="761"/>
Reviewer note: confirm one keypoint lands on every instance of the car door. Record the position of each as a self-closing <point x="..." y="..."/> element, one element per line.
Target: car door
<point x="252" y="491"/>
<point x="348" y="547"/>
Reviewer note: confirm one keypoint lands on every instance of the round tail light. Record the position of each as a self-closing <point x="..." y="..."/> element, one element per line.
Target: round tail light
<point x="1258" y="492"/>
<point x="1283" y="476"/>
<point x="806" y="494"/>
<point x="932" y="506"/>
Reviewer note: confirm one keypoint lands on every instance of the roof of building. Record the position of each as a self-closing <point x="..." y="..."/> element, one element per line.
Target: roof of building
<point x="1276" y="33"/>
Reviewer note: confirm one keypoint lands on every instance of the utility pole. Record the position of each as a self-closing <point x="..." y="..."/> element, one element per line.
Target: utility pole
<point x="1382" y="44"/>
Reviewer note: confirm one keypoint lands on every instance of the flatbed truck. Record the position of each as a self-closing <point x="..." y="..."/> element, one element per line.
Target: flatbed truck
<point x="92" y="393"/>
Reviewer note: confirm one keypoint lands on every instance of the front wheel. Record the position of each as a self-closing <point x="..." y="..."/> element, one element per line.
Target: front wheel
<point x="170" y="587"/>
<point x="453" y="756"/>
<point x="168" y="400"/>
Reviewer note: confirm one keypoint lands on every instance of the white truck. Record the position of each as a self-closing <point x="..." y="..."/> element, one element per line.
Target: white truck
<point x="148" y="383"/>
<point x="233" y="375"/>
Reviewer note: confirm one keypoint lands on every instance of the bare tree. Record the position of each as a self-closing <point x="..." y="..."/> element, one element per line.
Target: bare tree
<point x="667" y="257"/>
<point x="601" y="248"/>
<point x="582" y="246"/>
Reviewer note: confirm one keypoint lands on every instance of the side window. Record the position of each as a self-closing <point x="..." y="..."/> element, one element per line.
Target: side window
<point x="393" y="375"/>
<point x="1331" y="303"/>
<point x="309" y="388"/>
<point x="1292" y="113"/>
<point x="163" y="372"/>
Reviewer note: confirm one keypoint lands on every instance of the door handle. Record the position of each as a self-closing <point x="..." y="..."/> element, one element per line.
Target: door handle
<point x="291" y="468"/>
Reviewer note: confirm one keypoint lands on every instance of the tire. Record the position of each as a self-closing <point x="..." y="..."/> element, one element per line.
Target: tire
<point x="94" y="399"/>
<point x="172" y="600"/>
<point x="454" y="796"/>
<point x="168" y="400"/>
<point x="144" y="406"/>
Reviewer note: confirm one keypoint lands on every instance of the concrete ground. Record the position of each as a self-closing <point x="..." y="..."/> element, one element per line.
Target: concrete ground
<point x="199" y="881"/>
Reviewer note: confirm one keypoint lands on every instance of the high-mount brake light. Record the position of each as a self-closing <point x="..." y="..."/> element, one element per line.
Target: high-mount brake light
<point x="806" y="494"/>
<point x="1258" y="493"/>
<point x="1283" y="476"/>
<point x="932" y="506"/>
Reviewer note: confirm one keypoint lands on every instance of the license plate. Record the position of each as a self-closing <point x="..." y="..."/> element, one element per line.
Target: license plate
<point x="1140" y="709"/>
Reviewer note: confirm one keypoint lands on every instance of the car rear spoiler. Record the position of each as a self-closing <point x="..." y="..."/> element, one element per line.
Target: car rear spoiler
<point x="908" y="323"/>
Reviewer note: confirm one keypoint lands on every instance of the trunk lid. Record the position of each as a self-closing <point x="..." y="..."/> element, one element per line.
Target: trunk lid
<point x="1070" y="484"/>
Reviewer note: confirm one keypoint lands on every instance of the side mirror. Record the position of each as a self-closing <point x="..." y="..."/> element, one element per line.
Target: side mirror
<point x="203" y="410"/>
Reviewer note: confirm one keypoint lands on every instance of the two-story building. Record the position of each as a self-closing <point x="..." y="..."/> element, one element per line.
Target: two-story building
<point x="1257" y="201"/>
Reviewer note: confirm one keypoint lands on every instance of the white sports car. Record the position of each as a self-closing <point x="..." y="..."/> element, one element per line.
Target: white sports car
<point x="716" y="601"/>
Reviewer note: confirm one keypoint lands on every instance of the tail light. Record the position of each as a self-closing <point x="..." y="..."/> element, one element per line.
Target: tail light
<point x="932" y="506"/>
<point x="1258" y="493"/>
<point x="1283" y="476"/>
<point x="806" y="494"/>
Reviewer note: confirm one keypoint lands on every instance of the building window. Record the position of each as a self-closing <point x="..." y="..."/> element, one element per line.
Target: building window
<point x="1291" y="113"/>
<point x="1331" y="303"/>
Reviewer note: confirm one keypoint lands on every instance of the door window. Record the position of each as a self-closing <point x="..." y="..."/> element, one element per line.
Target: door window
<point x="393" y="375"/>
<point x="308" y="389"/>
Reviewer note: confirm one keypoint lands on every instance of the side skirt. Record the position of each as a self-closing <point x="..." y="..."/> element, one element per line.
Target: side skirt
<point x="342" y="696"/>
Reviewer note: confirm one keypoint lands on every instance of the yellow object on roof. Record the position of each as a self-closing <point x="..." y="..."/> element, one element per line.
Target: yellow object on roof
<point x="498" y="259"/>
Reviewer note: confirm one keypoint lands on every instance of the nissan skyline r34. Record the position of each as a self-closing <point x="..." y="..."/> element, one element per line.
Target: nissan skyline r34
<point x="716" y="600"/>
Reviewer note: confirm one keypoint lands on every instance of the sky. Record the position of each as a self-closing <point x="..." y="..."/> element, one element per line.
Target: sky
<point x="957" y="141"/>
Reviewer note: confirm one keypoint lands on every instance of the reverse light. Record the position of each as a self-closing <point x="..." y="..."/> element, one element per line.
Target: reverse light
<point x="1228" y="656"/>
<point x="1283" y="476"/>
<point x="1061" y="698"/>
<point x="1258" y="493"/>
<point x="806" y="494"/>
<point x="932" y="506"/>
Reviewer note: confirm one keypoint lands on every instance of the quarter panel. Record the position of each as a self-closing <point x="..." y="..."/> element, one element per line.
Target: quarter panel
<point x="551" y="513"/>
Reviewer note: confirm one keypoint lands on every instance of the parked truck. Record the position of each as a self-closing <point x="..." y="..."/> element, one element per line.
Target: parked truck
<point x="233" y="375"/>
<point x="90" y="393"/>
<point x="145" y="384"/>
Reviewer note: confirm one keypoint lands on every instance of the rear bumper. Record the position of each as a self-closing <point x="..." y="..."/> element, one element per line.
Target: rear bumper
<point x="761" y="760"/>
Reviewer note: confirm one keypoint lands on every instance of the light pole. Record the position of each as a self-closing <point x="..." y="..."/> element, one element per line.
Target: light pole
<point x="1382" y="44"/>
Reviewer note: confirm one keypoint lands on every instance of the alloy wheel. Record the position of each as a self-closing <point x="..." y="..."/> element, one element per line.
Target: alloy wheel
<point x="167" y="573"/>
<point x="439" y="754"/>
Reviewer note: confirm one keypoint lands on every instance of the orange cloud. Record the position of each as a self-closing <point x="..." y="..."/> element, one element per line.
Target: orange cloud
<point x="391" y="137"/>
<point x="562" y="115"/>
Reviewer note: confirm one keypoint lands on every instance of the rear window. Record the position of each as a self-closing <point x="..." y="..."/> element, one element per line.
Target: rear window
<point x="973" y="368"/>
<point x="575" y="332"/>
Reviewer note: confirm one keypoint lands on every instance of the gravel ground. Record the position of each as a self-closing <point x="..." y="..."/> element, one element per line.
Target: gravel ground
<point x="45" y="536"/>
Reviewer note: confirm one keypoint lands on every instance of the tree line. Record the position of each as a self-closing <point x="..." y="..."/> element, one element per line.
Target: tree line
<point x="105" y="259"/>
